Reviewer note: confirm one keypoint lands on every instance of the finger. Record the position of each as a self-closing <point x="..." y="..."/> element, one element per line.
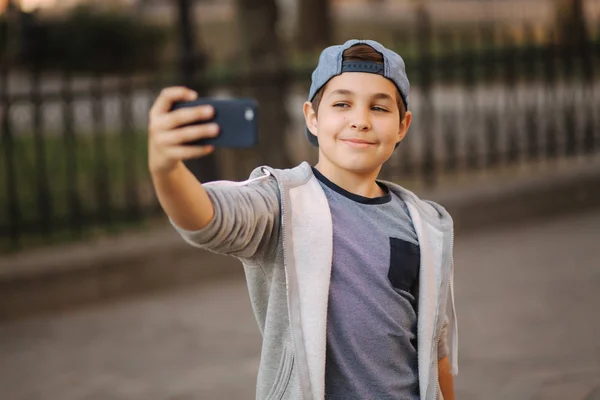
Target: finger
<point x="189" y="134"/>
<point x="170" y="95"/>
<point x="188" y="152"/>
<point x="181" y="117"/>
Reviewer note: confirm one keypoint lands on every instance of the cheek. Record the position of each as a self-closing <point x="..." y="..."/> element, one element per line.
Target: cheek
<point x="391" y="131"/>
<point x="331" y="124"/>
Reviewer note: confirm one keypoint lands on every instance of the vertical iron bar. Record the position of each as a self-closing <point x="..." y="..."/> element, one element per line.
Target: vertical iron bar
<point x="128" y="136"/>
<point x="11" y="190"/>
<point x="43" y="188"/>
<point x="567" y="99"/>
<point x="510" y="76"/>
<point x="491" y="60"/>
<point x="405" y="153"/>
<point x="187" y="58"/>
<point x="530" y="57"/>
<point x="426" y="68"/>
<point x="469" y="78"/>
<point x="205" y="168"/>
<point x="587" y="65"/>
<point x="550" y="78"/>
<point x="103" y="194"/>
<point x="595" y="58"/>
<point x="70" y="143"/>
<point x="451" y="116"/>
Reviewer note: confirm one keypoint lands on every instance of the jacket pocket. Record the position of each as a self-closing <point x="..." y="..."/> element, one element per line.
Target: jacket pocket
<point x="283" y="376"/>
<point x="405" y="260"/>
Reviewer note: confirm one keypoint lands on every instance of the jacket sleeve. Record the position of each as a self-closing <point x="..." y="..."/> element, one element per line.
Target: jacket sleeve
<point x="246" y="220"/>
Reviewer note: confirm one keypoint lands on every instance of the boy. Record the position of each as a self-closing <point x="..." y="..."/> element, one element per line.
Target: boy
<point x="350" y="278"/>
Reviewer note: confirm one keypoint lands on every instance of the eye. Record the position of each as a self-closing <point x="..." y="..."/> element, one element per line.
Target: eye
<point x="380" y="109"/>
<point x="341" y="105"/>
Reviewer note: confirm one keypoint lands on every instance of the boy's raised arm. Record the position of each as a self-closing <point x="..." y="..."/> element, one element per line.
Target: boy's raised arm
<point x="183" y="198"/>
<point x="239" y="220"/>
<point x="180" y="194"/>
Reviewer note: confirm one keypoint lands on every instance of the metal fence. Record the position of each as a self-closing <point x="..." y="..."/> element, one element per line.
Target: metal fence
<point x="74" y="147"/>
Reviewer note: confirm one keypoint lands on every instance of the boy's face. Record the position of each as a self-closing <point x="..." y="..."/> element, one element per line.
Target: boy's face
<point x="358" y="122"/>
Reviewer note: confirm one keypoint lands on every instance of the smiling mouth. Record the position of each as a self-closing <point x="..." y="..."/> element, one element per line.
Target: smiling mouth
<point x="358" y="141"/>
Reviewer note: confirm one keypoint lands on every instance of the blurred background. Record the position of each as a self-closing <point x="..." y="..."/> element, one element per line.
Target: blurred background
<point x="100" y="300"/>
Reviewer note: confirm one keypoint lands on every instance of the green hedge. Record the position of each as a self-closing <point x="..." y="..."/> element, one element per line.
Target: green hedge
<point x="105" y="158"/>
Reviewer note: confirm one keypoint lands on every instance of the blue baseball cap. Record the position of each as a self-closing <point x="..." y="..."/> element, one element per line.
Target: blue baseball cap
<point x="331" y="64"/>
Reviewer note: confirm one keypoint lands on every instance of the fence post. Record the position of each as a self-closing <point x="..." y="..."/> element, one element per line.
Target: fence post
<point x="509" y="59"/>
<point x="187" y="57"/>
<point x="550" y="99"/>
<point x="101" y="184"/>
<point x="427" y="111"/>
<point x="568" y="53"/>
<point x="469" y="79"/>
<point x="587" y="56"/>
<point x="70" y="143"/>
<point x="205" y="168"/>
<point x="530" y="56"/>
<point x="265" y="78"/>
<point x="13" y="211"/>
<point x="490" y="72"/>
<point x="405" y="152"/>
<point x="32" y="36"/>
<point x="128" y="140"/>
<point x="450" y="119"/>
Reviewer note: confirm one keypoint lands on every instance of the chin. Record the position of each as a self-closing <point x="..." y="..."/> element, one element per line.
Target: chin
<point x="357" y="162"/>
<point x="359" y="166"/>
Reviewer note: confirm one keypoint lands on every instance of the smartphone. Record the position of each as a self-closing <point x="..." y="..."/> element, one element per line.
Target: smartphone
<point x="237" y="120"/>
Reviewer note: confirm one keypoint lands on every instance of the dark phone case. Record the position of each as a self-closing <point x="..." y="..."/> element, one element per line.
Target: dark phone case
<point x="237" y="120"/>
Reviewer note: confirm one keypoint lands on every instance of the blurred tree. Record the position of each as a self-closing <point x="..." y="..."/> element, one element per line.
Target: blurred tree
<point x="260" y="44"/>
<point x="570" y="22"/>
<point x="86" y="39"/>
<point x="263" y="63"/>
<point x="187" y="46"/>
<point x="10" y="34"/>
<point x="314" y="25"/>
<point x="3" y="38"/>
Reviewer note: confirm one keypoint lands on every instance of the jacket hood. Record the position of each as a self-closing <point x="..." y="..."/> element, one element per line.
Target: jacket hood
<point x="434" y="213"/>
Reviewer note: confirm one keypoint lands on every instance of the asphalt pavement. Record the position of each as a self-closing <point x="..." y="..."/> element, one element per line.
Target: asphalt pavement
<point x="527" y="303"/>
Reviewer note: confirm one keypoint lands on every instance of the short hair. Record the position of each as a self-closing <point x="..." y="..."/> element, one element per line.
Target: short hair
<point x="360" y="52"/>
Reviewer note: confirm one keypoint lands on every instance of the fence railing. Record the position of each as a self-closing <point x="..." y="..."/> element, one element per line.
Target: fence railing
<point x="73" y="148"/>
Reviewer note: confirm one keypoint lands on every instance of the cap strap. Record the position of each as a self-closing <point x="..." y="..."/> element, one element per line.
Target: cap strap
<point x="363" y="66"/>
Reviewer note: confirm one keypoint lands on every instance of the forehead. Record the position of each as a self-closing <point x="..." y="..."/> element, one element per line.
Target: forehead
<point x="361" y="84"/>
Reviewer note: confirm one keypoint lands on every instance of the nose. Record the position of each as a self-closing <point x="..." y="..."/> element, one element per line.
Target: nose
<point x="360" y="121"/>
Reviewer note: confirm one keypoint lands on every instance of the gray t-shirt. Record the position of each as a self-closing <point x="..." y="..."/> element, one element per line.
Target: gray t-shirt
<point x="372" y="311"/>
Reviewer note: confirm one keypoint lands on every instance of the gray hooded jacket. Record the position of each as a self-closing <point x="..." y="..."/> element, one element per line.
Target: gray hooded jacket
<point x="278" y="223"/>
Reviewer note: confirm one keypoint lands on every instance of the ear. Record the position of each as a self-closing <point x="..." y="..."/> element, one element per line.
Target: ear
<point x="310" y="117"/>
<point x="404" y="125"/>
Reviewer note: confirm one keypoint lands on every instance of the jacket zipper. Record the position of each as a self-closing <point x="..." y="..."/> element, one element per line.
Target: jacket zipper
<point x="287" y="284"/>
<point x="437" y="370"/>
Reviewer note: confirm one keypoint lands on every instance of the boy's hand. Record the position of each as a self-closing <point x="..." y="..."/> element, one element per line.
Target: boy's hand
<point x="166" y="140"/>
